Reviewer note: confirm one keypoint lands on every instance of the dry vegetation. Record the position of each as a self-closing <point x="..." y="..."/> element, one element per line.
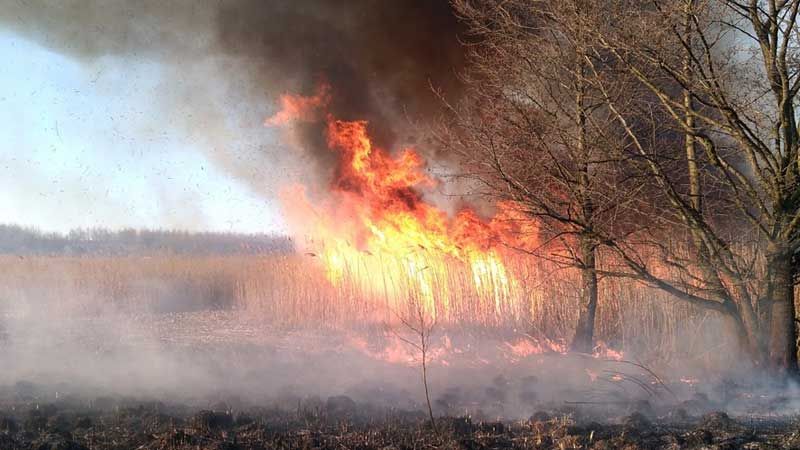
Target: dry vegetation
<point x="292" y="291"/>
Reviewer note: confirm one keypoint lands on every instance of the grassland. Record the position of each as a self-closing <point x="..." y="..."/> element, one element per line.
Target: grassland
<point x="291" y="290"/>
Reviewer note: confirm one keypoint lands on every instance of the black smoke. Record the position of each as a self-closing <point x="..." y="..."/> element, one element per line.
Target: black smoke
<point x="379" y="57"/>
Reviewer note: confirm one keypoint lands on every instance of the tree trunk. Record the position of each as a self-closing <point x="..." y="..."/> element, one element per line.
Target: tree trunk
<point x="747" y="331"/>
<point x="584" y="332"/>
<point x="782" y="344"/>
<point x="695" y="194"/>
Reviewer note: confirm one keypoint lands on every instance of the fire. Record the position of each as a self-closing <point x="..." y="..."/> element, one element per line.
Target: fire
<point x="601" y="350"/>
<point x="376" y="230"/>
<point x="524" y="348"/>
<point x="299" y="108"/>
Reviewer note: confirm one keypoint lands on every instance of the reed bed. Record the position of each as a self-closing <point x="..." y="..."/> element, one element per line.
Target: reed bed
<point x="292" y="290"/>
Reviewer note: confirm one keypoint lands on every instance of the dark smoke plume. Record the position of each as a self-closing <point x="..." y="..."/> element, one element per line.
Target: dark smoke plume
<point x="380" y="57"/>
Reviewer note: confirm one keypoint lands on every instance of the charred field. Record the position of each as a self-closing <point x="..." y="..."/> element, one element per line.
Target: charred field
<point x="35" y="416"/>
<point x="124" y="423"/>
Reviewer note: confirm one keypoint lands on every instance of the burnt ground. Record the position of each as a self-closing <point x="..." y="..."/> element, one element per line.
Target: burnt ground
<point x="338" y="422"/>
<point x="211" y="381"/>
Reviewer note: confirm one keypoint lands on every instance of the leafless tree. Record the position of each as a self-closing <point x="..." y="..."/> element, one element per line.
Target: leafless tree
<point x="420" y="323"/>
<point x="661" y="135"/>
<point x="534" y="131"/>
<point x="725" y="75"/>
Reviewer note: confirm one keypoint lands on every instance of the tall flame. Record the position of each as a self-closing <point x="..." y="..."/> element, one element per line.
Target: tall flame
<point x="376" y="231"/>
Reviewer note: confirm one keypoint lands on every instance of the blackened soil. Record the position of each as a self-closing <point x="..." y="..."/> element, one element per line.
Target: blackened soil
<point x="341" y="423"/>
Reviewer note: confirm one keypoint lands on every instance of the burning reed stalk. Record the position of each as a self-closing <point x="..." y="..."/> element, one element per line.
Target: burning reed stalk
<point x="292" y="291"/>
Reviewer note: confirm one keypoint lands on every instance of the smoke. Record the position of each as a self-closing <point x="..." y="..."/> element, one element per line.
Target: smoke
<point x="205" y="357"/>
<point x="72" y="330"/>
<point x="380" y="58"/>
<point x="228" y="62"/>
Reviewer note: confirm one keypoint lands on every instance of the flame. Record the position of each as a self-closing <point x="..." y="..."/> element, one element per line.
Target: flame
<point x="299" y="108"/>
<point x="524" y="348"/>
<point x="395" y="350"/>
<point x="392" y="348"/>
<point x="376" y="231"/>
<point x="602" y="350"/>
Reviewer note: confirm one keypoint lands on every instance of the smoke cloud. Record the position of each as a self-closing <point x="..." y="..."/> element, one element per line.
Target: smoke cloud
<point x="380" y="59"/>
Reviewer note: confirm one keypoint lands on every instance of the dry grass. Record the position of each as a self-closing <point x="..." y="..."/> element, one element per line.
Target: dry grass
<point x="293" y="291"/>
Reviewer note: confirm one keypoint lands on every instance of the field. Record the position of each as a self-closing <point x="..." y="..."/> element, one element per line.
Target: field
<point x="339" y="423"/>
<point x="236" y="351"/>
<point x="291" y="291"/>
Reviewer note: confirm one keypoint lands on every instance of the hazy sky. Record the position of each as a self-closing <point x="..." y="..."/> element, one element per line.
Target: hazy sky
<point x="106" y="143"/>
<point x="149" y="113"/>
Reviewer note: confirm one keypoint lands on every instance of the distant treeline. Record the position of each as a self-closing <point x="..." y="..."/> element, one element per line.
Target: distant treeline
<point x="19" y="240"/>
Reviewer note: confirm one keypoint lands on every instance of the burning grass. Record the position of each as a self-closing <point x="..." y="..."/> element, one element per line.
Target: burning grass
<point x="294" y="292"/>
<point x="226" y="328"/>
<point x="375" y="217"/>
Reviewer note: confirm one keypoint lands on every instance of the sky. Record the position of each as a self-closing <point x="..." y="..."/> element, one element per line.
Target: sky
<point x="125" y="141"/>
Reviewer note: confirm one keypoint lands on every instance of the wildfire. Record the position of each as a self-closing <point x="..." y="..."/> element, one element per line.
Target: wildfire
<point x="375" y="230"/>
<point x="524" y="348"/>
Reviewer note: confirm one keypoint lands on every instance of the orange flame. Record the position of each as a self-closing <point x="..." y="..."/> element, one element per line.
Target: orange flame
<point x="299" y="108"/>
<point x="377" y="231"/>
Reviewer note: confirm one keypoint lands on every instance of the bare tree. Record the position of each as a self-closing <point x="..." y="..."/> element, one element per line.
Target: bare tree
<point x="533" y="131"/>
<point x="420" y="322"/>
<point x="725" y="75"/>
<point x="661" y="133"/>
